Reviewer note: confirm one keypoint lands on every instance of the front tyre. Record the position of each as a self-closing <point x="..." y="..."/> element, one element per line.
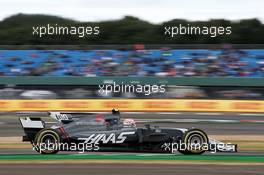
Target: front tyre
<point x="47" y="141"/>
<point x="194" y="142"/>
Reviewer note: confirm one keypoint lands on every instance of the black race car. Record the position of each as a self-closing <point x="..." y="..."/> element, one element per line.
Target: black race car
<point x="108" y="132"/>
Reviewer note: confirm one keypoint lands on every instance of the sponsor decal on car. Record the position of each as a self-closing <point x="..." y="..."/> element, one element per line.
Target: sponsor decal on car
<point x="111" y="138"/>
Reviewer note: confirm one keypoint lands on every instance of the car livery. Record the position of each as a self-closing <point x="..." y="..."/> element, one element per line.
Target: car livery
<point x="108" y="132"/>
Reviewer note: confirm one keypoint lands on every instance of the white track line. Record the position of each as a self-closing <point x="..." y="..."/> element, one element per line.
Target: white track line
<point x="186" y="120"/>
<point x="250" y="114"/>
<point x="208" y="113"/>
<point x="175" y="113"/>
<point x="167" y="113"/>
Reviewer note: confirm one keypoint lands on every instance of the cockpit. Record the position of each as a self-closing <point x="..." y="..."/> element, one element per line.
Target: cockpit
<point x="114" y="121"/>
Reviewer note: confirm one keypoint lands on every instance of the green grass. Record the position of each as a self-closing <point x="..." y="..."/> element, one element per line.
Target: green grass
<point x="157" y="157"/>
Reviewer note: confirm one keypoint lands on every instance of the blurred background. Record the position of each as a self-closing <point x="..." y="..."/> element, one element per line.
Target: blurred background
<point x="139" y="61"/>
<point x="164" y="62"/>
<point x="215" y="84"/>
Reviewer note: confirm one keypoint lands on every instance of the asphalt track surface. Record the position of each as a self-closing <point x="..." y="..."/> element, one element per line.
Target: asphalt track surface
<point x="9" y="126"/>
<point x="129" y="169"/>
<point x="130" y="164"/>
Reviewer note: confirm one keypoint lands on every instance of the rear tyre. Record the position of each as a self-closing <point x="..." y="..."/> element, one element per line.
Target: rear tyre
<point x="47" y="141"/>
<point x="195" y="141"/>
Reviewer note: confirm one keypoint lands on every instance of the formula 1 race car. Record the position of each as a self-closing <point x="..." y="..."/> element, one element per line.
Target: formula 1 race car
<point x="108" y="132"/>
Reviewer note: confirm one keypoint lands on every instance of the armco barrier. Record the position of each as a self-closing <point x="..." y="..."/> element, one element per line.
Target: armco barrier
<point x="181" y="81"/>
<point x="149" y="105"/>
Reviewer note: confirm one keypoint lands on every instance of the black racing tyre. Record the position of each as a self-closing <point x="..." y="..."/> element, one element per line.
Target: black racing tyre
<point x="196" y="141"/>
<point x="47" y="141"/>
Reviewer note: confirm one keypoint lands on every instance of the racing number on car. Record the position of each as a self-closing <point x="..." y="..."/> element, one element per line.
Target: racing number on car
<point x="61" y="117"/>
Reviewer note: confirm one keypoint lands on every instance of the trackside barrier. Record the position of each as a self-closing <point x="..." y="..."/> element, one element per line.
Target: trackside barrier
<point x="146" y="105"/>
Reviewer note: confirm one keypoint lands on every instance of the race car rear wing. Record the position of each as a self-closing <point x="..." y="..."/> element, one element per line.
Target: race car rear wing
<point x="29" y="122"/>
<point x="31" y="127"/>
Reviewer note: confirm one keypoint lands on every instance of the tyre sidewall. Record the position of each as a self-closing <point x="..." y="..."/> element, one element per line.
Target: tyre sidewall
<point x="187" y="136"/>
<point x="39" y="140"/>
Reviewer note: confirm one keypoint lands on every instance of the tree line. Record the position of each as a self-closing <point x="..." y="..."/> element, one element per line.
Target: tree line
<point x="17" y="29"/>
